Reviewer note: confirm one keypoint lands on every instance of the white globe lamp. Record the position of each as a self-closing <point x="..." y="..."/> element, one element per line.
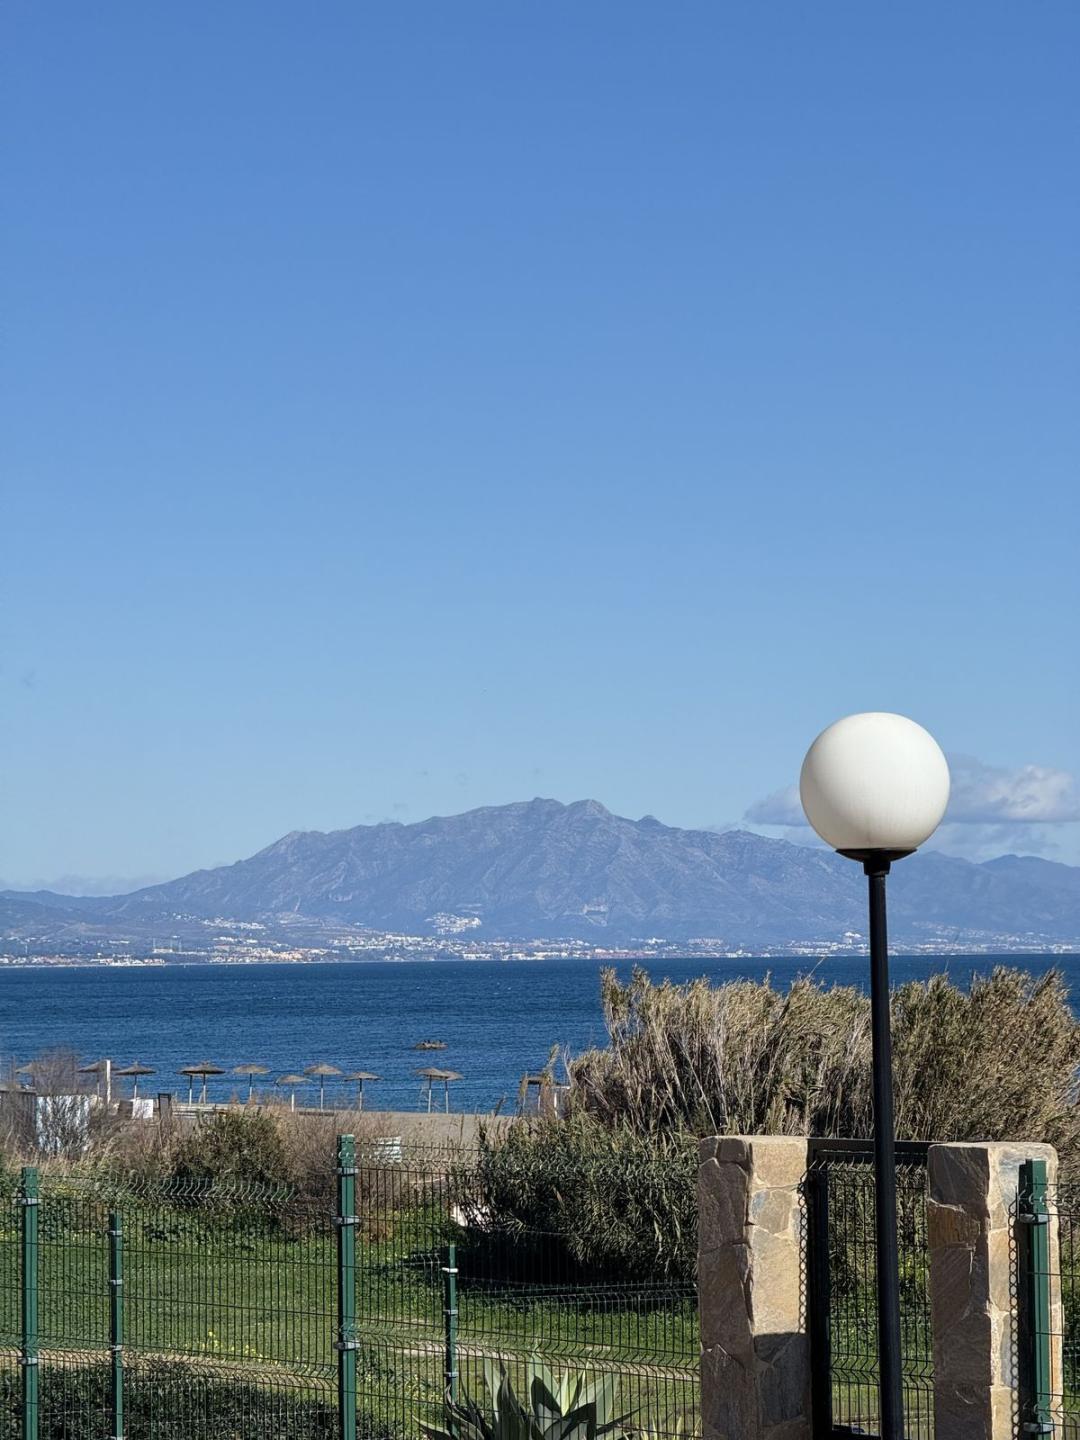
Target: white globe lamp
<point x="875" y="787"/>
<point x="874" y="782"/>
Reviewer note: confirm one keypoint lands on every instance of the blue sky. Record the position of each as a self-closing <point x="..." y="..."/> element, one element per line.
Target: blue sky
<point x="414" y="407"/>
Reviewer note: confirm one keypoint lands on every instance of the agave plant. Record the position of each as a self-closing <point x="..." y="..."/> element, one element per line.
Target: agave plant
<point x="574" y="1407"/>
<point x="682" y="1427"/>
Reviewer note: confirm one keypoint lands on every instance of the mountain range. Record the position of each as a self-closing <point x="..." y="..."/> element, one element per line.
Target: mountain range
<point x="540" y="868"/>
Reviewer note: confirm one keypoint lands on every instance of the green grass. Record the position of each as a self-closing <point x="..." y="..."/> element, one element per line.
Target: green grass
<point x="258" y="1299"/>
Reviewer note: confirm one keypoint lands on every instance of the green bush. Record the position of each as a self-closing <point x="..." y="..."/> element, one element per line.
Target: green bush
<point x="173" y="1401"/>
<point x="237" y="1147"/>
<point x="617" y="1205"/>
<point x="615" y="1180"/>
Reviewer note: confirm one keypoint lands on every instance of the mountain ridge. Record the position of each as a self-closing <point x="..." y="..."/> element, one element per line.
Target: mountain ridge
<point x="540" y="868"/>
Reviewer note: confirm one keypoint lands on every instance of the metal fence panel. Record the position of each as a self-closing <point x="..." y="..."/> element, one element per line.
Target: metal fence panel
<point x="10" y="1324"/>
<point x="516" y="1297"/>
<point x="842" y="1289"/>
<point x="184" y="1310"/>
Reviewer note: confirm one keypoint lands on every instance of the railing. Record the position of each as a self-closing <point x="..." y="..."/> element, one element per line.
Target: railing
<point x="842" y="1289"/>
<point x="350" y="1308"/>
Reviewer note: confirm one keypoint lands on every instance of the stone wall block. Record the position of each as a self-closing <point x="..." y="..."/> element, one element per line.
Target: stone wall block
<point x="755" y="1373"/>
<point x="971" y="1222"/>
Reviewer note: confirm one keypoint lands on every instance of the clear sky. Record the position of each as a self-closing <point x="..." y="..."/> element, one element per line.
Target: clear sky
<point x="416" y="406"/>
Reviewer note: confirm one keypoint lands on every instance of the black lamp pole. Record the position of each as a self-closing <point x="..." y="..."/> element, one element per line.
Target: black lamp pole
<point x="876" y="864"/>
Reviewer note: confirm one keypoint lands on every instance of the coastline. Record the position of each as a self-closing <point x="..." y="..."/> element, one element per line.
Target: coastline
<point x="815" y="955"/>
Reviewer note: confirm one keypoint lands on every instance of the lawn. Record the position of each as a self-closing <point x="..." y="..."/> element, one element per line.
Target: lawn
<point x="255" y="1294"/>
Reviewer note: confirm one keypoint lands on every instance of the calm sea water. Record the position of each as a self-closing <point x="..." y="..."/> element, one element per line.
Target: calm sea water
<point x="498" y="1019"/>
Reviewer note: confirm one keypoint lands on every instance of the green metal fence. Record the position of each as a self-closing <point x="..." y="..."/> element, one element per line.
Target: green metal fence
<point x="350" y="1307"/>
<point x="842" y="1289"/>
<point x="1047" y="1289"/>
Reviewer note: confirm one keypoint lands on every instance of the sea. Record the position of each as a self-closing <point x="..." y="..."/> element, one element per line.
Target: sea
<point x="497" y="1019"/>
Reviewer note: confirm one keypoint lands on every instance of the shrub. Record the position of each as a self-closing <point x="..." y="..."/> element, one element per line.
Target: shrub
<point x="993" y="1063"/>
<point x="996" y="1063"/>
<point x="740" y="1058"/>
<point x="615" y="1179"/>
<point x="618" y="1205"/>
<point x="174" y="1401"/>
<point x="238" y="1147"/>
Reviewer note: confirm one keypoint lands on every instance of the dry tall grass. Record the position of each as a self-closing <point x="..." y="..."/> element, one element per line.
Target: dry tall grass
<point x="997" y="1062"/>
<point x="257" y="1145"/>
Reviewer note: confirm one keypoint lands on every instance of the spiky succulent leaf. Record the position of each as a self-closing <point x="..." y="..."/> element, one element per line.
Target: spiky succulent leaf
<point x="544" y="1394"/>
<point x="574" y="1407"/>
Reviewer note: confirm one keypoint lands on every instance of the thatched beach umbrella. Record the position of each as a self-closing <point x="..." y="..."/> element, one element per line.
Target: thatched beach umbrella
<point x="250" y="1071"/>
<point x="33" y="1072"/>
<point x="321" y="1071"/>
<point x="203" y="1069"/>
<point x="433" y="1073"/>
<point x="359" y="1076"/>
<point x="292" y="1081"/>
<point x="135" y="1070"/>
<point x="102" y="1068"/>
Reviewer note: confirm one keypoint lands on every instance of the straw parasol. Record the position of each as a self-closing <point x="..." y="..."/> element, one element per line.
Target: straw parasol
<point x="359" y="1076"/>
<point x="135" y="1070"/>
<point x="202" y="1070"/>
<point x="292" y="1081"/>
<point x="32" y="1070"/>
<point x="250" y="1071"/>
<point x="102" y="1068"/>
<point x="432" y="1073"/>
<point x="321" y="1071"/>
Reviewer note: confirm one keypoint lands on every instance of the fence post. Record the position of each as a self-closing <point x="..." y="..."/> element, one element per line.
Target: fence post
<point x="450" y="1317"/>
<point x="819" y="1285"/>
<point x="755" y="1370"/>
<point x="972" y="1215"/>
<point x="116" y="1320"/>
<point x="346" y="1285"/>
<point x="28" y="1200"/>
<point x="1034" y="1247"/>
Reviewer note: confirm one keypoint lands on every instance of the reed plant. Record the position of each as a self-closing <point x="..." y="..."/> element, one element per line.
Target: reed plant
<point x="997" y="1061"/>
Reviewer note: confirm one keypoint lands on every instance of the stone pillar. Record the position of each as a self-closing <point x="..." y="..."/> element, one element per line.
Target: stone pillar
<point x="971" y="1226"/>
<point x="755" y="1360"/>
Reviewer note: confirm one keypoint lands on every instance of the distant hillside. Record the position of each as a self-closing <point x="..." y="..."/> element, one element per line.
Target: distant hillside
<point x="543" y="869"/>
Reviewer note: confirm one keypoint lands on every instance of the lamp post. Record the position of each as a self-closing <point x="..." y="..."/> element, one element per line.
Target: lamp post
<point x="874" y="787"/>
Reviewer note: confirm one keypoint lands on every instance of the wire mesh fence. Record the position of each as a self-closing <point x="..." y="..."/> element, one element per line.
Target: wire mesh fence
<point x="377" y="1291"/>
<point x="445" y="1286"/>
<point x="842" y="1290"/>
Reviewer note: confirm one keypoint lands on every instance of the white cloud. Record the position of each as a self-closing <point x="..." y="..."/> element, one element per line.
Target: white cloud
<point x="1033" y="795"/>
<point x="1033" y="810"/>
<point x="782" y="807"/>
<point x="985" y="842"/>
